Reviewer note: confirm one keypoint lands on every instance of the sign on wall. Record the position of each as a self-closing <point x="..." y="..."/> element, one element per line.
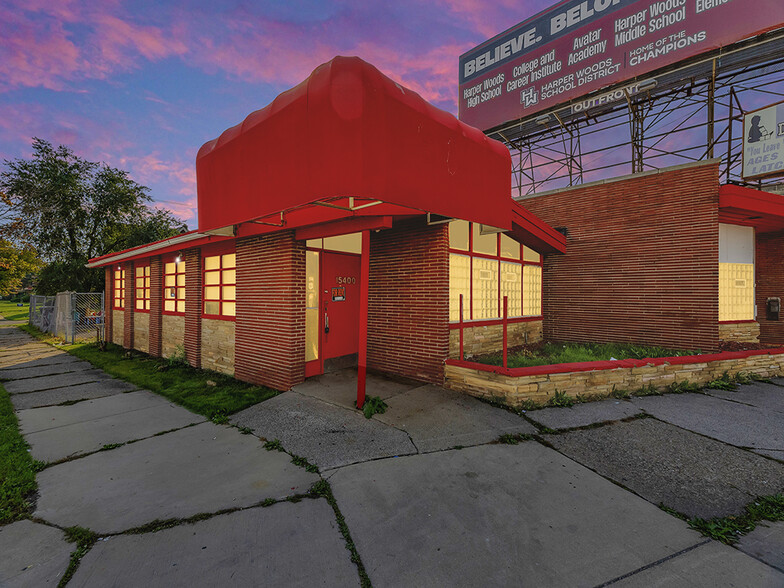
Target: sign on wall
<point x="763" y="142"/>
<point x="580" y="46"/>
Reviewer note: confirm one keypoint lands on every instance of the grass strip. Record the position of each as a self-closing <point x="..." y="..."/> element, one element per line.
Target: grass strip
<point x="11" y="312"/>
<point x="17" y="468"/>
<point x="211" y="394"/>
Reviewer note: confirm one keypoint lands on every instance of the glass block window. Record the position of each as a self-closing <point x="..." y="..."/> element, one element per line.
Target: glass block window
<point x="119" y="289"/>
<point x="220" y="285"/>
<point x="142" y="287"/>
<point x="487" y="268"/>
<point x="174" y="286"/>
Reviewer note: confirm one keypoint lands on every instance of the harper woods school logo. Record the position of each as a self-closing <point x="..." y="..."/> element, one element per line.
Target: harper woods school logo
<point x="763" y="142"/>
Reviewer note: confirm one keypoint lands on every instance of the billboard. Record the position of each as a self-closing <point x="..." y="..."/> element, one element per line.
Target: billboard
<point x="580" y="46"/>
<point x="763" y="142"/>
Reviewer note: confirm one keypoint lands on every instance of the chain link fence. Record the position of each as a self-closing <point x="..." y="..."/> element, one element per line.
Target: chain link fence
<point x="69" y="315"/>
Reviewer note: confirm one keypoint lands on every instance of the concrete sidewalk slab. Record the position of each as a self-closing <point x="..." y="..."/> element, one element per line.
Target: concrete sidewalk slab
<point x="327" y="435"/>
<point x="341" y="387"/>
<point x="499" y="515"/>
<point x="765" y="396"/>
<point x="113" y="419"/>
<point x="667" y="465"/>
<point x="205" y="468"/>
<point x="44" y="370"/>
<point x="55" y="396"/>
<point x="56" y="359"/>
<point x="55" y="381"/>
<point x="14" y="359"/>
<point x="282" y="545"/>
<point x="32" y="555"/>
<point x="766" y="543"/>
<point x="441" y="419"/>
<point x="581" y="415"/>
<point x="775" y="454"/>
<point x="731" y="422"/>
<point x="708" y="565"/>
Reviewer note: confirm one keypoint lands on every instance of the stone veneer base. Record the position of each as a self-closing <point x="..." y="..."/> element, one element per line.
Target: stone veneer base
<point x="514" y="386"/>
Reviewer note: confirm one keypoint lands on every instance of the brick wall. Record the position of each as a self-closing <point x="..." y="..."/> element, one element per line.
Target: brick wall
<point x="408" y="314"/>
<point x="217" y="345"/>
<point x="641" y="263"/>
<point x="770" y="284"/>
<point x="270" y="326"/>
<point x="745" y="332"/>
<point x="128" y="322"/>
<point x="156" y="306"/>
<point x="193" y="295"/>
<point x="108" y="302"/>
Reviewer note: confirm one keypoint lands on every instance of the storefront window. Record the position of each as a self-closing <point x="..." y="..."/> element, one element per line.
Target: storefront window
<point x="220" y="285"/>
<point x="736" y="273"/>
<point x="142" y="290"/>
<point x="486" y="268"/>
<point x="311" y="305"/>
<point x="174" y="286"/>
<point x="119" y="289"/>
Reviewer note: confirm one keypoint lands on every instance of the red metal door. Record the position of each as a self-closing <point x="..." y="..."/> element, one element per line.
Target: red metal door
<point x="339" y="304"/>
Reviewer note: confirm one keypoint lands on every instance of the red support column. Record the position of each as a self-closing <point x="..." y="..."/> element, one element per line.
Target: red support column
<point x="193" y="309"/>
<point x="462" y="355"/>
<point x="108" y="303"/>
<point x="364" y="282"/>
<point x="506" y="303"/>
<point x="156" y="305"/>
<point x="130" y="279"/>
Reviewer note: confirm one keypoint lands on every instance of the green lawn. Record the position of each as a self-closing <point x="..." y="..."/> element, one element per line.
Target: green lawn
<point x="17" y="468"/>
<point x="208" y="393"/>
<point x="552" y="353"/>
<point x="10" y="311"/>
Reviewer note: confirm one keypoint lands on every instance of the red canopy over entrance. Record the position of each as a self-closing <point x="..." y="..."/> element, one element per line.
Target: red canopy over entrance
<point x="753" y="208"/>
<point x="349" y="131"/>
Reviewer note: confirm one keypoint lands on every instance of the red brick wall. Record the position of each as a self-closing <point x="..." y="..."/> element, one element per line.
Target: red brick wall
<point x="193" y="296"/>
<point x="408" y="331"/>
<point x="129" y="305"/>
<point x="770" y="284"/>
<point x="641" y="264"/>
<point x="270" y="326"/>
<point x="156" y="305"/>
<point x="108" y="302"/>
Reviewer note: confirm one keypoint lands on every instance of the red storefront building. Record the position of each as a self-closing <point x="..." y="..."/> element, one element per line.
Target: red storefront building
<point x="343" y="224"/>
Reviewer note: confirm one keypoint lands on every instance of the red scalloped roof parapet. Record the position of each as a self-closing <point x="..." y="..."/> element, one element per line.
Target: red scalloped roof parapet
<point x="348" y="130"/>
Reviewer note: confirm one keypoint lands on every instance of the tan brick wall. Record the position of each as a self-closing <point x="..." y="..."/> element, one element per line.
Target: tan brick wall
<point x="743" y="332"/>
<point x="141" y="331"/>
<point x="513" y="391"/>
<point x="172" y="334"/>
<point x="479" y="340"/>
<point x="217" y="345"/>
<point x="118" y="326"/>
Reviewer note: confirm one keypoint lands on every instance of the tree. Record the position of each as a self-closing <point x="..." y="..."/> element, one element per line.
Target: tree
<point x="70" y="210"/>
<point x="15" y="265"/>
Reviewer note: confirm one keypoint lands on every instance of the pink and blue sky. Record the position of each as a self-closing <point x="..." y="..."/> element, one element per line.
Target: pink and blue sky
<point x="141" y="85"/>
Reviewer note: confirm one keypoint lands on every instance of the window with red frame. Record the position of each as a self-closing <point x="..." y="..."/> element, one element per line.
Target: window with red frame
<point x="174" y="286"/>
<point x="119" y="289"/>
<point x="142" y="287"/>
<point x="485" y="268"/>
<point x="220" y="285"/>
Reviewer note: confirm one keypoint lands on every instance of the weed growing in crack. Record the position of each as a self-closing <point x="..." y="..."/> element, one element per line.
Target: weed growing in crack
<point x="274" y="445"/>
<point x="510" y="439"/>
<point x="322" y="489"/>
<point x="620" y="393"/>
<point x="373" y="405"/>
<point x="304" y="463"/>
<point x="109" y="446"/>
<point x="725" y="382"/>
<point x="561" y="399"/>
<point x="682" y="387"/>
<point x="84" y="539"/>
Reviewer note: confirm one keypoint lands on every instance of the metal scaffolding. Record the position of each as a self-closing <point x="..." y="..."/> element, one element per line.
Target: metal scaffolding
<point x="693" y="111"/>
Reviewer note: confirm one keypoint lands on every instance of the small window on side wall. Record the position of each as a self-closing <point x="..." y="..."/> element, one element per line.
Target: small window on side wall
<point x="220" y="285"/>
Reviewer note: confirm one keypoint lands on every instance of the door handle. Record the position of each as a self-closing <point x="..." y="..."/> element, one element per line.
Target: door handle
<point x="326" y="323"/>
